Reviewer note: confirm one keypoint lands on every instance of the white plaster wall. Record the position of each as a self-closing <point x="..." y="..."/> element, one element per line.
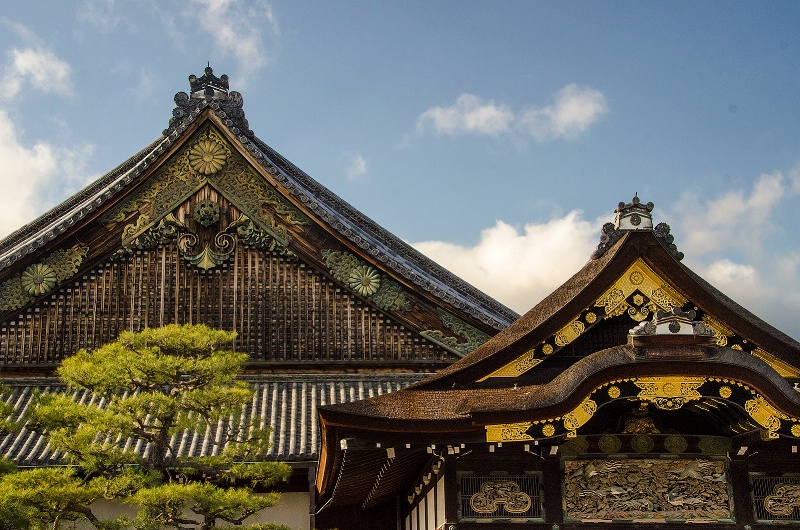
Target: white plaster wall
<point x="292" y="510"/>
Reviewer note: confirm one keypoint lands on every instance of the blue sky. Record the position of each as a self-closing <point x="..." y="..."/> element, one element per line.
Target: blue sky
<point x="496" y="137"/>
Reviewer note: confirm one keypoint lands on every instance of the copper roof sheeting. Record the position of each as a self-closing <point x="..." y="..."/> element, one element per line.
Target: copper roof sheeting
<point x="285" y="403"/>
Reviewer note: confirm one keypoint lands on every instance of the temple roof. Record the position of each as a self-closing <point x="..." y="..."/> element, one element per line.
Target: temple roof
<point x="684" y="343"/>
<point x="656" y="250"/>
<point x="211" y="100"/>
<point x="286" y="403"/>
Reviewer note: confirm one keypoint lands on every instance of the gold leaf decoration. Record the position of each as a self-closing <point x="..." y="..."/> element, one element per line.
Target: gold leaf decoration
<point x="207" y="157"/>
<point x="364" y="280"/>
<point x="508" y="432"/>
<point x="38" y="279"/>
<point x="496" y="492"/>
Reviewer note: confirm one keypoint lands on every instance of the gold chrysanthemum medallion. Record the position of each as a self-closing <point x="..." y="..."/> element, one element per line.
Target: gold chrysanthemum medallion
<point x="364" y="280"/>
<point x="207" y="157"/>
<point x="38" y="279"/>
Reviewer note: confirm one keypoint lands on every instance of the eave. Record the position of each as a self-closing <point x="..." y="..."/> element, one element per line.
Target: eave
<point x="582" y="291"/>
<point x="337" y="216"/>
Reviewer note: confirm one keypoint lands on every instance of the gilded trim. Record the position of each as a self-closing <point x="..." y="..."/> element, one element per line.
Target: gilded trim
<point x="614" y="302"/>
<point x="666" y="393"/>
<point x="783" y="368"/>
<point x="226" y="171"/>
<point x="508" y="432"/>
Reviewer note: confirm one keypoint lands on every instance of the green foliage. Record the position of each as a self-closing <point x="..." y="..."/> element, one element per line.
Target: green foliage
<point x="152" y="386"/>
<point x="7" y="423"/>
<point x="49" y="495"/>
<point x="168" y="504"/>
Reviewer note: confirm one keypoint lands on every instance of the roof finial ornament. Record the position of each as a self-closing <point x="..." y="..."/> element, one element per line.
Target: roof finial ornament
<point x="209" y="91"/>
<point x="209" y="86"/>
<point x="634" y="216"/>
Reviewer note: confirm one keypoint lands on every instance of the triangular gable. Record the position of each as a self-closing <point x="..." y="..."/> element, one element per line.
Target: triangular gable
<point x="635" y="296"/>
<point x="633" y="274"/>
<point x="209" y="224"/>
<point x="207" y="165"/>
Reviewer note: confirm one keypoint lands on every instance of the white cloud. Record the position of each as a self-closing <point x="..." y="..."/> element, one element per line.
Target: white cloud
<point x="238" y="29"/>
<point x="20" y="30"/>
<point x="145" y="86"/>
<point x="356" y="166"/>
<point x="520" y="267"/>
<point x="42" y="69"/>
<point x="105" y="15"/>
<point x="468" y="115"/>
<point x="575" y="109"/>
<point x="34" y="178"/>
<point x="737" y="219"/>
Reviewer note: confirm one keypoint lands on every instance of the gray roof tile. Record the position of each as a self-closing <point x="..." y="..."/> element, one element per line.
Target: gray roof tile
<point x="285" y="403"/>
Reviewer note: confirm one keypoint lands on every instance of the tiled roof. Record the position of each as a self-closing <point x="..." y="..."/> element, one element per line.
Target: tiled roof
<point x="562" y="394"/>
<point x="386" y="248"/>
<point x="286" y="403"/>
<point x="582" y="290"/>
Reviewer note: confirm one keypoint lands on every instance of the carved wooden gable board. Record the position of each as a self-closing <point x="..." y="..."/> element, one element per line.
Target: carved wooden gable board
<point x="635" y="296"/>
<point x="204" y="231"/>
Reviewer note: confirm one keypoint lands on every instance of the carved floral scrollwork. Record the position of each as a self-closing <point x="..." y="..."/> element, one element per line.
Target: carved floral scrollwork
<point x="669" y="393"/>
<point x="41" y="278"/>
<point x="366" y="281"/>
<point x="784" y="500"/>
<point x="496" y="492"/>
<point x="474" y="337"/>
<point x="207" y="258"/>
<point x="209" y="161"/>
<point x="38" y="279"/>
<point x="206" y="212"/>
<point x="207" y="156"/>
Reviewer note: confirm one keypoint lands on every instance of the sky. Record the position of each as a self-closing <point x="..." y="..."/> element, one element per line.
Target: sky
<point x="495" y="137"/>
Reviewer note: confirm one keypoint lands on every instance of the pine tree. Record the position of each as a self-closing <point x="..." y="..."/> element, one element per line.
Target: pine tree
<point x="150" y="388"/>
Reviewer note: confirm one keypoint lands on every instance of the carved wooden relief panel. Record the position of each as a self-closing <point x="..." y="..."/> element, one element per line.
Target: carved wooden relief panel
<point x="776" y="498"/>
<point x="500" y="497"/>
<point x="692" y="490"/>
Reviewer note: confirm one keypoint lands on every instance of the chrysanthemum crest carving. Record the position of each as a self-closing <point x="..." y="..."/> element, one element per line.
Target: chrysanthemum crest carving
<point x="41" y="278"/>
<point x="207" y="156"/>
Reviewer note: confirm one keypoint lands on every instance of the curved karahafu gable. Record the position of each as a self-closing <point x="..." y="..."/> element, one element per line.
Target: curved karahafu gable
<point x="632" y="361"/>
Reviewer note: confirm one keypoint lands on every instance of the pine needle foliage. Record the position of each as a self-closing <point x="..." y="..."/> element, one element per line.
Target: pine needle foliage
<point x="148" y="389"/>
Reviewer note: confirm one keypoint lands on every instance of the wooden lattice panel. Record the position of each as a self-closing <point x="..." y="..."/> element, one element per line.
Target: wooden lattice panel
<point x="283" y="310"/>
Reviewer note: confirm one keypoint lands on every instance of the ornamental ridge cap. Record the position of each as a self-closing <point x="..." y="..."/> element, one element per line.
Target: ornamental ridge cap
<point x="635" y="217"/>
<point x="209" y="85"/>
<point x="209" y="91"/>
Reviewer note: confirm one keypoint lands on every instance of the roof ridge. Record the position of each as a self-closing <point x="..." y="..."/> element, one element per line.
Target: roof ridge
<point x="212" y="94"/>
